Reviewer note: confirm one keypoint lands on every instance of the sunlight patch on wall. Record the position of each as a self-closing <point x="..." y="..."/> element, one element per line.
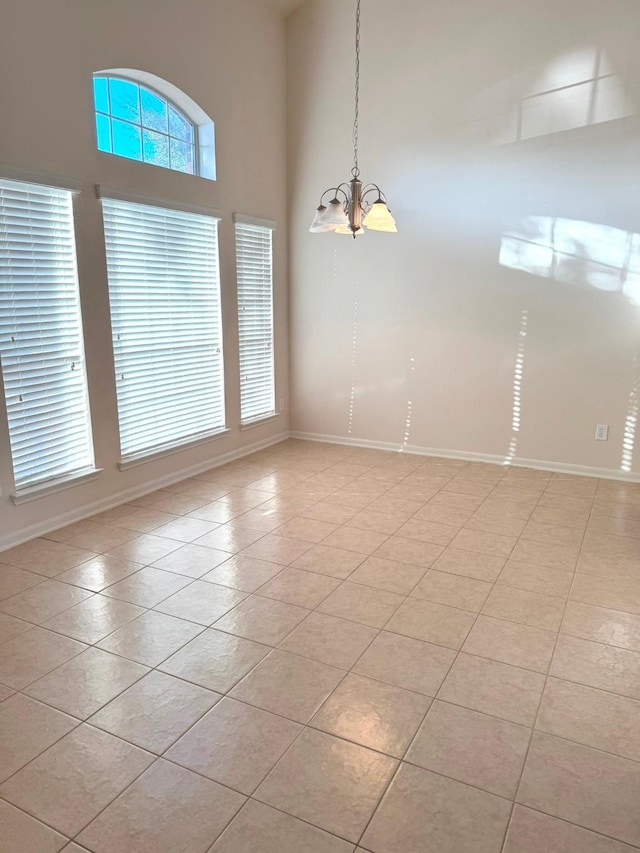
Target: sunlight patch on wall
<point x="575" y="252"/>
<point x="407" y="423"/>
<point x="631" y="422"/>
<point x="354" y="353"/>
<point x="578" y="89"/>
<point x="518" y="374"/>
<point x="407" y="426"/>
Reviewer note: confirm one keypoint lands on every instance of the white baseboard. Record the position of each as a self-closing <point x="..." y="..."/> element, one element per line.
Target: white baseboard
<point x="31" y="532"/>
<point x="113" y="500"/>
<point x="467" y="456"/>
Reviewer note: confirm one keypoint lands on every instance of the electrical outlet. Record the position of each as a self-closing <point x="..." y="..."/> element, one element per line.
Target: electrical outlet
<point x="602" y="432"/>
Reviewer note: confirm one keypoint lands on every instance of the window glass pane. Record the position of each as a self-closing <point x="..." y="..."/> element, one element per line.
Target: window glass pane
<point x="126" y="140"/>
<point x="179" y="127"/>
<point x="255" y="320"/>
<point x="100" y="94"/>
<point x="155" y="148"/>
<point x="164" y="296"/>
<point x="124" y="99"/>
<point x="154" y="111"/>
<point x="103" y="131"/>
<point x="182" y="156"/>
<point x="41" y="335"/>
<point x="136" y="122"/>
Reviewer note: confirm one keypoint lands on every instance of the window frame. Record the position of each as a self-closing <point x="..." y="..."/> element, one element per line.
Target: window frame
<point x="240" y="219"/>
<point x="203" y="124"/>
<point x="140" y="457"/>
<point x="20" y="494"/>
<point x="169" y="102"/>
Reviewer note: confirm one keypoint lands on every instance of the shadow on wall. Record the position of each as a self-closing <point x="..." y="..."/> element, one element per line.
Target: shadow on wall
<point x="576" y="90"/>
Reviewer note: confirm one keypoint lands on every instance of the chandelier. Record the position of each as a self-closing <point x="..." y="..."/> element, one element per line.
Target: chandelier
<point x="354" y="207"/>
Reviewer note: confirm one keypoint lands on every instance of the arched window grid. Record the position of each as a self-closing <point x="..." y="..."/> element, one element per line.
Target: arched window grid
<point x="135" y="130"/>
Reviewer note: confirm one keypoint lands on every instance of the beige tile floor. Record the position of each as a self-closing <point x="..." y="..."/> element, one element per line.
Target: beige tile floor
<point x="324" y="649"/>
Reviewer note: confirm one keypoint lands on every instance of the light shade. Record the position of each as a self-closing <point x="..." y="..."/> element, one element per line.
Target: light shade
<point x="335" y="214"/>
<point x="320" y="224"/>
<point x="346" y="229"/>
<point x="379" y="218"/>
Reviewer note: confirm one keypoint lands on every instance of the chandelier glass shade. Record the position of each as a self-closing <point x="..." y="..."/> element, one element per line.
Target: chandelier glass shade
<point x="354" y="207"/>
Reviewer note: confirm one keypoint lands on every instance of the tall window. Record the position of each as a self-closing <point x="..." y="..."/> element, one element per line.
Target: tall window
<point x="254" y="260"/>
<point x="135" y="122"/>
<point x="41" y="335"/>
<point x="164" y="291"/>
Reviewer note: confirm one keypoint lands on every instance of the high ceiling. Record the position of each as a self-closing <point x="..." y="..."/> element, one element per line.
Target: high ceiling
<point x="284" y="6"/>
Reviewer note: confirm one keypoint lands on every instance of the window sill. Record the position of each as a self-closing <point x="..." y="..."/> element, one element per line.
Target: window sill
<point x="51" y="487"/>
<point x="170" y="449"/>
<point x="265" y="419"/>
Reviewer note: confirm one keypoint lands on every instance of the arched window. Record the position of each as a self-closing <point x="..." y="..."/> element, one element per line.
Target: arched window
<point x="144" y="118"/>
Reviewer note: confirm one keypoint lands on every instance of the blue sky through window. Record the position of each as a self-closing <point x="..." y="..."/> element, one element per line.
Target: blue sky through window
<point x="135" y="122"/>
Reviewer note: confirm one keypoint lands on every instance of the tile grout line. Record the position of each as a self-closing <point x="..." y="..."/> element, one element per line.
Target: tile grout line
<point x="156" y="758"/>
<point x="379" y="630"/>
<point x="387" y="787"/>
<point x="453" y="662"/>
<point x="304" y="728"/>
<point x="322" y="704"/>
<point x="544" y="688"/>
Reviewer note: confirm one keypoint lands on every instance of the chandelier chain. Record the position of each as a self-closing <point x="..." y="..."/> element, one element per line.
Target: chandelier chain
<point x="356" y="128"/>
<point x="353" y="208"/>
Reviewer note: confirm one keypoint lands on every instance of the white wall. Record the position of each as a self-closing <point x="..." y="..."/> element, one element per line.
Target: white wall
<point x="485" y="121"/>
<point x="229" y="56"/>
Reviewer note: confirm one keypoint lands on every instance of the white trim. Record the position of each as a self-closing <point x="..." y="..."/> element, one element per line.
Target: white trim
<point x="468" y="456"/>
<point x="51" y="487"/>
<point x="45" y="179"/>
<point x="154" y="201"/>
<point x="34" y="530"/>
<point x="256" y="422"/>
<point x="7" y="482"/>
<point x="241" y="219"/>
<point x="126" y="495"/>
<point x="193" y="111"/>
<point x="170" y="449"/>
<point x="204" y="124"/>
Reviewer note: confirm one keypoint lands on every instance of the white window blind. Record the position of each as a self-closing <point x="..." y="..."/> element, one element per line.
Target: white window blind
<point x="164" y="292"/>
<point x="254" y="261"/>
<point x="41" y="334"/>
